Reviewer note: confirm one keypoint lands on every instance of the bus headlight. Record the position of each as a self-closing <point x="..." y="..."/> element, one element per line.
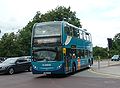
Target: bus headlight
<point x="34" y="67"/>
<point x="59" y="66"/>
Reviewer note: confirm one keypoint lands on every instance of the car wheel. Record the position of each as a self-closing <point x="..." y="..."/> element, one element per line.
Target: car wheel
<point x="11" y="71"/>
<point x="30" y="69"/>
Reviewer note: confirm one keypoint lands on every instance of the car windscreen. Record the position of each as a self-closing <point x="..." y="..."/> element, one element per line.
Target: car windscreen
<point x="9" y="61"/>
<point x="115" y="57"/>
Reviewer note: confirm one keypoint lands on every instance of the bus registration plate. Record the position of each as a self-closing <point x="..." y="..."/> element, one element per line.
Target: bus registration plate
<point x="46" y="72"/>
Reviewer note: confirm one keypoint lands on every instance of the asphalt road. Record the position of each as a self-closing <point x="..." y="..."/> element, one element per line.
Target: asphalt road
<point x="82" y="79"/>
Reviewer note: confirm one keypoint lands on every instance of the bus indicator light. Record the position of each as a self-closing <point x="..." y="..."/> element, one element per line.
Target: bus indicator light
<point x="64" y="50"/>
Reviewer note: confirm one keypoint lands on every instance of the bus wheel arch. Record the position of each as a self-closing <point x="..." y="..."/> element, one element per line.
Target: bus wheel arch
<point x="90" y="62"/>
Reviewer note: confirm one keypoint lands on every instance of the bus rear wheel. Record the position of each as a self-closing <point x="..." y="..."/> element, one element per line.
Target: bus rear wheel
<point x="90" y="63"/>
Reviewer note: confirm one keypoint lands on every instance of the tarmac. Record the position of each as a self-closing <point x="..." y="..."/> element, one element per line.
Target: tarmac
<point x="107" y="67"/>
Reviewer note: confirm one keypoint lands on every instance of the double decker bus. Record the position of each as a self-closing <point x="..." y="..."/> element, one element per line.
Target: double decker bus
<point x="60" y="48"/>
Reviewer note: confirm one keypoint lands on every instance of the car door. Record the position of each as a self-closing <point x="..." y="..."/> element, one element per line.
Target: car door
<point x="26" y="64"/>
<point x="19" y="65"/>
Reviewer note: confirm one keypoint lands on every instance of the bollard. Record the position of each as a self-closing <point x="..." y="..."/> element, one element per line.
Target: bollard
<point x="108" y="62"/>
<point x="98" y="62"/>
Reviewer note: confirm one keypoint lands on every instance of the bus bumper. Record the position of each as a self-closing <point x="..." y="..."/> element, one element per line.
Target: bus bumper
<point x="58" y="71"/>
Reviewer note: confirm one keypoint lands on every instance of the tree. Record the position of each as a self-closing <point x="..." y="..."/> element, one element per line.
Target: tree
<point x="116" y="44"/>
<point x="8" y="45"/>
<point x="99" y="51"/>
<point x="62" y="13"/>
<point x="23" y="42"/>
<point x="58" y="14"/>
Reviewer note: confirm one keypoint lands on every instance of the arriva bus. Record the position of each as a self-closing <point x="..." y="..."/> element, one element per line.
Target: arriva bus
<point x="60" y="48"/>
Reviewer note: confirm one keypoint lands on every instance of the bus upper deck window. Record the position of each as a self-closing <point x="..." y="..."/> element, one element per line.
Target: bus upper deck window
<point x="75" y="32"/>
<point x="67" y="30"/>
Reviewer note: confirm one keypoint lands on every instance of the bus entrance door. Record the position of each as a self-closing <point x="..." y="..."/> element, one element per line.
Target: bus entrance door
<point x="67" y="59"/>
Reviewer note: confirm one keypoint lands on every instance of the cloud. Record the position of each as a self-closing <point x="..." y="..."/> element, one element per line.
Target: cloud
<point x="114" y="13"/>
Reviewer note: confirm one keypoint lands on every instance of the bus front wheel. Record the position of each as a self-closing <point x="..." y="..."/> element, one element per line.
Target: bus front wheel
<point x="73" y="68"/>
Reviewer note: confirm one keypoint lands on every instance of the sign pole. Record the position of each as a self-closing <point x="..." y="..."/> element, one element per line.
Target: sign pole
<point x="109" y="47"/>
<point x="108" y="57"/>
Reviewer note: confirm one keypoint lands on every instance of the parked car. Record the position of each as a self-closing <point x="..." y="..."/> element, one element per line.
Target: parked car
<point x="115" y="58"/>
<point x="26" y="58"/>
<point x="16" y="64"/>
<point x="2" y="59"/>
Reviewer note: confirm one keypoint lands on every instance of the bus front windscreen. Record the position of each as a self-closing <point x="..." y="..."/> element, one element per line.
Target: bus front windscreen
<point x="47" y="29"/>
<point x="46" y="55"/>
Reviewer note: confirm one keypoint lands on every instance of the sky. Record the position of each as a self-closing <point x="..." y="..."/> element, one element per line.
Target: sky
<point x="100" y="17"/>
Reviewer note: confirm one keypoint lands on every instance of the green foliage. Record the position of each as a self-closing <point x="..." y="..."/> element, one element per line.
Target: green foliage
<point x="116" y="44"/>
<point x="19" y="44"/>
<point x="59" y="14"/>
<point x="99" y="51"/>
<point x="8" y="45"/>
<point x="23" y="41"/>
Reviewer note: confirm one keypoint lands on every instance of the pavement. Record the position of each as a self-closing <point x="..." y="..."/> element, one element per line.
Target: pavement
<point x="107" y="67"/>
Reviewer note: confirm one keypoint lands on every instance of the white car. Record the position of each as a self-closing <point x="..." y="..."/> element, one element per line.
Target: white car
<point x="115" y="58"/>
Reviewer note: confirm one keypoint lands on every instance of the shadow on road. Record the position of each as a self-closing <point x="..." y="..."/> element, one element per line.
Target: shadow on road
<point x="52" y="76"/>
<point x="60" y="76"/>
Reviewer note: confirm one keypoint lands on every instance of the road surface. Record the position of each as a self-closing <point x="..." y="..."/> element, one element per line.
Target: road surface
<point x="82" y="79"/>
